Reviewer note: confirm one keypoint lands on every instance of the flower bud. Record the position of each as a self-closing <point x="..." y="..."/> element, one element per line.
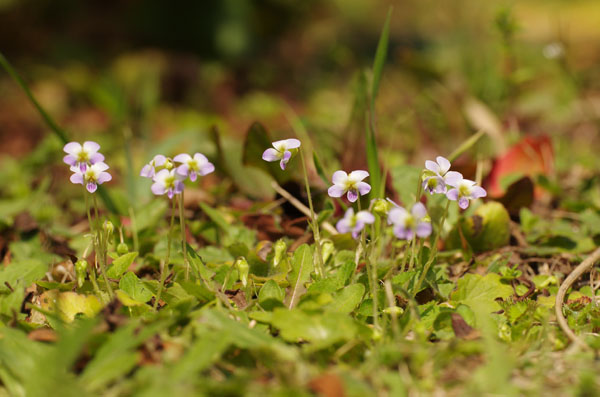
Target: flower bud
<point x="327" y="249"/>
<point x="169" y="164"/>
<point x="122" y="249"/>
<point x="243" y="269"/>
<point x="81" y="271"/>
<point x="381" y="207"/>
<point x="108" y="227"/>
<point x="280" y="249"/>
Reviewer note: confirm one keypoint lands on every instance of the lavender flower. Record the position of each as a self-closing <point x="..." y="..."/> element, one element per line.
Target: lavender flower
<point x="352" y="184"/>
<point x="463" y="190"/>
<point x="149" y="169"/>
<point x="167" y="181"/>
<point x="282" y="151"/>
<point x="91" y="177"/>
<point x="437" y="174"/>
<point x="192" y="166"/>
<point x="80" y="155"/>
<point x="408" y="224"/>
<point x="354" y="223"/>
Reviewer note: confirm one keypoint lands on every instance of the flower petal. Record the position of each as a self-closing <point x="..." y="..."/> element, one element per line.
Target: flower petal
<point x="358" y="175"/>
<point x="207" y="168"/>
<point x="271" y="155"/>
<point x="284" y="160"/>
<point x="400" y="232"/>
<point x="158" y="188"/>
<point x="70" y="159"/>
<point x="77" y="178"/>
<point x="453" y="178"/>
<point x="463" y="203"/>
<point x="352" y="195"/>
<point x="343" y="226"/>
<point x="339" y="177"/>
<point x="365" y="217"/>
<point x="147" y="171"/>
<point x="99" y="167"/>
<point x="363" y="188"/>
<point x="292" y="143"/>
<point x="104" y="177"/>
<point x="452" y="194"/>
<point x="443" y="163"/>
<point x="182" y="158"/>
<point x="477" y="192"/>
<point x="159" y="160"/>
<point x="200" y="158"/>
<point x="179" y="186"/>
<point x="423" y="229"/>
<point x="96" y="158"/>
<point x="336" y="191"/>
<point x="432" y="166"/>
<point x="91" y="147"/>
<point x="419" y="211"/>
<point x="72" y="148"/>
<point x="193" y="176"/>
<point x="91" y="187"/>
<point x="397" y="215"/>
<point x="183" y="170"/>
<point x="170" y="193"/>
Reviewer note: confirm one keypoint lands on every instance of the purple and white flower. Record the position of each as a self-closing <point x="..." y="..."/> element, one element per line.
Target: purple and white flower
<point x="91" y="177"/>
<point x="464" y="190"/>
<point x="352" y="184"/>
<point x="149" y="169"/>
<point x="82" y="155"/>
<point x="167" y="181"/>
<point x="408" y="224"/>
<point x="282" y="151"/>
<point x="354" y="223"/>
<point x="437" y="174"/>
<point x="192" y="166"/>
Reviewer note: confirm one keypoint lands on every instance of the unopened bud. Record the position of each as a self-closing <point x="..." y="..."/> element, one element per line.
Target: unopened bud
<point x="108" y="227"/>
<point x="81" y="271"/>
<point x="243" y="269"/>
<point x="122" y="249"/>
<point x="327" y="249"/>
<point x="280" y="249"/>
<point x="381" y="207"/>
<point x="169" y="164"/>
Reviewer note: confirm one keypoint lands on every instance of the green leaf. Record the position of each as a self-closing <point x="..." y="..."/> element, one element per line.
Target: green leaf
<point x="380" y="56"/>
<point x="135" y="288"/>
<point x="207" y="349"/>
<point x="319" y="168"/>
<point x="302" y="267"/>
<point x="271" y="295"/>
<point x="121" y="264"/>
<point x="405" y="181"/>
<point x="347" y="299"/>
<point x="23" y="271"/>
<point x="480" y="293"/>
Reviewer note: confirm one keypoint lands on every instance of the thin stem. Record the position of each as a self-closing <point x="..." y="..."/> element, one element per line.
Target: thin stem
<point x="433" y="250"/>
<point x="314" y="223"/>
<point x="93" y="268"/>
<point x="163" y="274"/>
<point x="371" y="273"/>
<point x="102" y="250"/>
<point x="183" y="237"/>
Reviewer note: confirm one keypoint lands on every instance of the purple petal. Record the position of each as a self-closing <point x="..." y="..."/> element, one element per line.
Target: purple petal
<point x="444" y="164"/>
<point x="147" y="171"/>
<point x="159" y="160"/>
<point x="365" y="217"/>
<point x="284" y="160"/>
<point x="419" y="211"/>
<point x="158" y="189"/>
<point x="82" y="167"/>
<point x="357" y="229"/>
<point x="91" y="147"/>
<point x="363" y="188"/>
<point x="463" y="203"/>
<point x="183" y="170"/>
<point x="477" y="192"/>
<point x="207" y="169"/>
<point x="96" y="158"/>
<point x="70" y="159"/>
<point x="343" y="226"/>
<point x="91" y="187"/>
<point x="104" y="177"/>
<point x="397" y="215"/>
<point x="270" y="155"/>
<point x="336" y="191"/>
<point x="400" y="232"/>
<point x="179" y="186"/>
<point x="339" y="177"/>
<point x="200" y="158"/>
<point x="182" y="158"/>
<point x="193" y="176"/>
<point x="72" y="147"/>
<point x="170" y="193"/>
<point x="432" y="166"/>
<point x="424" y="229"/>
<point x="352" y="195"/>
<point x="292" y="143"/>
<point x="453" y="178"/>
<point x="77" y="178"/>
<point x="452" y="194"/>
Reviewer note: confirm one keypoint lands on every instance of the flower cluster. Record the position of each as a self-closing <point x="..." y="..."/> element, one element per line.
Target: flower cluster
<point x="87" y="164"/>
<point x="408" y="224"/>
<point x="437" y="178"/>
<point x="354" y="223"/>
<point x="169" y="174"/>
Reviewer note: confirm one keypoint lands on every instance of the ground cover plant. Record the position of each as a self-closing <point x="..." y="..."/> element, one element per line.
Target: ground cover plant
<point x="441" y="240"/>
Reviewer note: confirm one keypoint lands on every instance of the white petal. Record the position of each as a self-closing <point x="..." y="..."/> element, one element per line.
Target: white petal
<point x="358" y="175"/>
<point x="339" y="177"/>
<point x="444" y="164"/>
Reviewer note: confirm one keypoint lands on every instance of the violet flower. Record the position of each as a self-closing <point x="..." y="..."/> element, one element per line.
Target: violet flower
<point x="342" y="183"/>
<point x="354" y="223"/>
<point x="80" y="155"/>
<point x="149" y="170"/>
<point x="408" y="224"/>
<point x="437" y="174"/>
<point x="167" y="181"/>
<point x="282" y="151"/>
<point x="464" y="190"/>
<point x="192" y="166"/>
<point x="91" y="177"/>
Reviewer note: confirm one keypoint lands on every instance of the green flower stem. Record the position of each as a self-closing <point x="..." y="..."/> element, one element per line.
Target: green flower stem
<point x="183" y="237"/>
<point x="92" y="269"/>
<point x="371" y="273"/>
<point x="102" y="254"/>
<point x="313" y="221"/>
<point x="163" y="273"/>
<point x="433" y="254"/>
